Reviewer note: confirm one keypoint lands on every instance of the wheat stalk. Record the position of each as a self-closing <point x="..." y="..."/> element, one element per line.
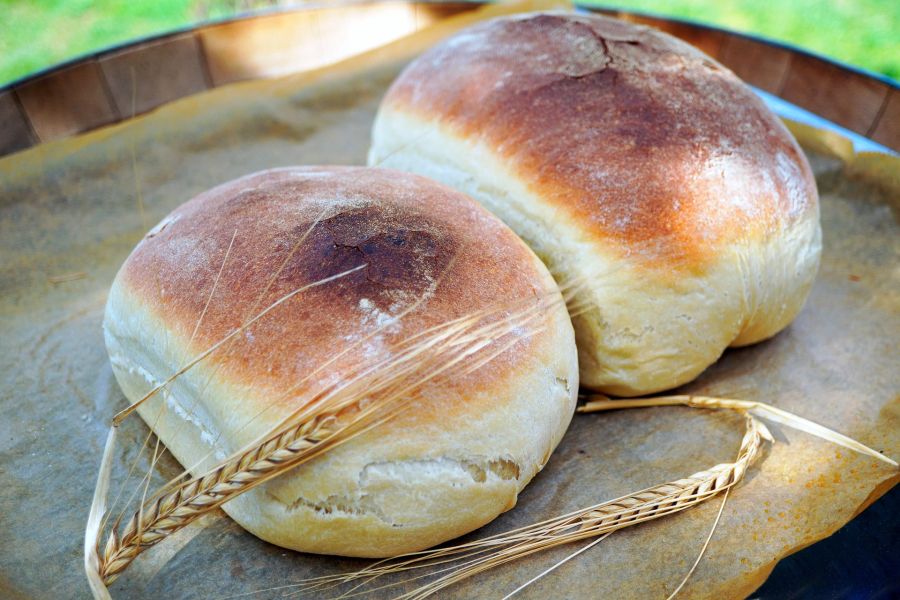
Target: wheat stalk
<point x="469" y="559"/>
<point x="651" y="503"/>
<point x="597" y="403"/>
<point x="337" y="414"/>
<point x="598" y="520"/>
<point x="179" y="508"/>
<point x="235" y="332"/>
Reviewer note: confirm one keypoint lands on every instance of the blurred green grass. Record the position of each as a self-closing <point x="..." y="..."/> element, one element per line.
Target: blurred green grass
<point x="865" y="33"/>
<point x="35" y="34"/>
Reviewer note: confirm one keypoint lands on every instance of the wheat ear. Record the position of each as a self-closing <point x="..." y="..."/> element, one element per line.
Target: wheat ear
<point x="651" y="503"/>
<point x="179" y="508"/>
<point x="600" y="520"/>
<point x="337" y="415"/>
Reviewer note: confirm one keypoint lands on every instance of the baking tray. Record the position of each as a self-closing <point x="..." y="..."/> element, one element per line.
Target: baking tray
<point x="63" y="214"/>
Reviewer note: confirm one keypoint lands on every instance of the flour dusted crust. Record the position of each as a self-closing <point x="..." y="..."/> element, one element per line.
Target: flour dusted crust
<point x="627" y="160"/>
<point x="451" y="461"/>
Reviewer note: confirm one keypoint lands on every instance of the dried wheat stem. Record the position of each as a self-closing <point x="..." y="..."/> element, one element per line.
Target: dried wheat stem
<point x="556" y="565"/>
<point x="683" y="493"/>
<point x="693" y="568"/>
<point x="172" y="510"/>
<point x="180" y="507"/>
<point x="598" y="520"/>
<point x="598" y="403"/>
<point x="95" y="521"/>
<point x="608" y="517"/>
<point x="333" y="417"/>
<point x="190" y="364"/>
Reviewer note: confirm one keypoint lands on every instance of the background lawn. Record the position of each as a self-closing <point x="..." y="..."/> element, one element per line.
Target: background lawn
<point x="38" y="33"/>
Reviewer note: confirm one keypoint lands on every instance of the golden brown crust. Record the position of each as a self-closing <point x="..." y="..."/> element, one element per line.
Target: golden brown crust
<point x="414" y="238"/>
<point x="639" y="138"/>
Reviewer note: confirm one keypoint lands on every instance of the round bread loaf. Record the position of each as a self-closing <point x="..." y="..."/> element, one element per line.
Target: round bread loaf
<point x="631" y="163"/>
<point x="452" y="459"/>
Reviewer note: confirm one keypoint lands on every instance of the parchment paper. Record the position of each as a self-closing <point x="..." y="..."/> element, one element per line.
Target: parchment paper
<point x="80" y="206"/>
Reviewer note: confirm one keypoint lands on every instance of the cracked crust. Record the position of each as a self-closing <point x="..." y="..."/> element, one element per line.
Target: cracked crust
<point x="449" y="463"/>
<point x="627" y="159"/>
